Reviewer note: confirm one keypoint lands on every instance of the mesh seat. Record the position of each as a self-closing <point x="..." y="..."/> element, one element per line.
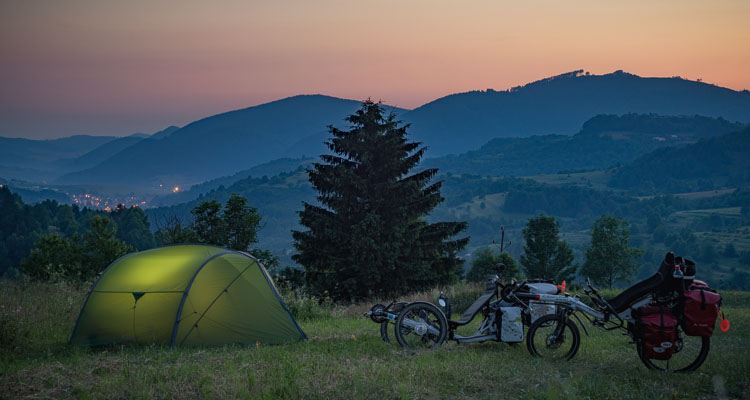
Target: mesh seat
<point x="489" y="291"/>
<point x="634" y="293"/>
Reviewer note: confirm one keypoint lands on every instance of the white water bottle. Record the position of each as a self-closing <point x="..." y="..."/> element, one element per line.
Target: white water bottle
<point x="677" y="272"/>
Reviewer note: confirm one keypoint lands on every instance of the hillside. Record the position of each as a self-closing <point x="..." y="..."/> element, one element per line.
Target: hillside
<point x="712" y="163"/>
<point x="271" y="168"/>
<point x="44" y="160"/>
<point x="224" y="144"/>
<point x="165" y="132"/>
<point x="603" y="141"/>
<point x="295" y="127"/>
<point x="277" y="199"/>
<point x="560" y="105"/>
<point x="99" y="154"/>
<point x="17" y="153"/>
<point x="486" y="203"/>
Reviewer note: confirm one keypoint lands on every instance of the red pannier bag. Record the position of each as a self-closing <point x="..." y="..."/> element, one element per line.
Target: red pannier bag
<point x="701" y="309"/>
<point x="658" y="332"/>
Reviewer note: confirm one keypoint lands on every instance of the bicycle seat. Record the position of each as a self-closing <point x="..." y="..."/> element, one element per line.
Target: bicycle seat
<point x="649" y="285"/>
<point x="489" y="291"/>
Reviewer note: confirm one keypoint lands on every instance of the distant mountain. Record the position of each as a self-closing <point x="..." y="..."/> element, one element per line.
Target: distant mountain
<point x="38" y="196"/>
<point x="295" y="127"/>
<point x="45" y="160"/>
<point x="100" y="153"/>
<point x="224" y="144"/>
<point x="27" y="153"/>
<point x="560" y="105"/>
<point x="603" y="141"/>
<point x="164" y="132"/>
<point x="713" y="163"/>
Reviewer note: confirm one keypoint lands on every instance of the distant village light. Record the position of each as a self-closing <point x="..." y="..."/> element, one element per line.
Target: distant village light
<point x="176" y="189"/>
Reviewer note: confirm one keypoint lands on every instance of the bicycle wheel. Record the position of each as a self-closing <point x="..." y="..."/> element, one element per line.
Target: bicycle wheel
<point x="421" y="325"/>
<point x="553" y="336"/>
<point x="384" y="332"/>
<point x="689" y="353"/>
<point x="395" y="308"/>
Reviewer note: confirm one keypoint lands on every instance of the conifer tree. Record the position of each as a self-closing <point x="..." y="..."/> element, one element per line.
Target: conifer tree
<point x="369" y="235"/>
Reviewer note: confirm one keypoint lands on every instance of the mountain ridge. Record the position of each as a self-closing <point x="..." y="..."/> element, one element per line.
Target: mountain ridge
<point x="180" y="160"/>
<point x="561" y="104"/>
<point x="603" y="141"/>
<point x="296" y="126"/>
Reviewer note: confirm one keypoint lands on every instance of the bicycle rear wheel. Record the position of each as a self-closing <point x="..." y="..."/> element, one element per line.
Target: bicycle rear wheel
<point x="421" y="325"/>
<point x="689" y="353"/>
<point x="384" y="332"/>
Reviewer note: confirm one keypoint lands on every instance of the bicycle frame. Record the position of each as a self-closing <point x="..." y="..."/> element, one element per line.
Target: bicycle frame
<point x="600" y="318"/>
<point x="419" y="327"/>
<point x="484" y="333"/>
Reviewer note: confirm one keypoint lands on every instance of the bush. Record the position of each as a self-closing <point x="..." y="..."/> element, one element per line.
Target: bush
<point x="73" y="258"/>
<point x="303" y="306"/>
<point x="14" y="335"/>
<point x="484" y="264"/>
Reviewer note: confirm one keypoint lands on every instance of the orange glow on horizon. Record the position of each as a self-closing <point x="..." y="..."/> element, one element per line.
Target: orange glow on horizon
<point x="84" y="66"/>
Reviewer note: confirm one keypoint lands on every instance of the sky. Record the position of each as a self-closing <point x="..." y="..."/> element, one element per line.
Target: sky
<point x="105" y="67"/>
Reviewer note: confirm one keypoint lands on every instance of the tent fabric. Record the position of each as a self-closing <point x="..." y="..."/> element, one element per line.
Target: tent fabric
<point x="185" y="295"/>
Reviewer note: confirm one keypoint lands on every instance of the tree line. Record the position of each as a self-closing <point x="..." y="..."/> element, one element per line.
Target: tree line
<point x="610" y="259"/>
<point x="56" y="226"/>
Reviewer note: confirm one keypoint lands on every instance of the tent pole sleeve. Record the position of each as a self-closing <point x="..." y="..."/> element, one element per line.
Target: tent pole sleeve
<point x="75" y="327"/>
<point x="212" y="303"/>
<point x="187" y="290"/>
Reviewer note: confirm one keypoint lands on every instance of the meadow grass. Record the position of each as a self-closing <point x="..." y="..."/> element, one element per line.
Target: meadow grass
<point x="343" y="358"/>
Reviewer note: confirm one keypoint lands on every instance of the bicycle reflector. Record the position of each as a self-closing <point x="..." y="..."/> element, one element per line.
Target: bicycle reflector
<point x="724" y="323"/>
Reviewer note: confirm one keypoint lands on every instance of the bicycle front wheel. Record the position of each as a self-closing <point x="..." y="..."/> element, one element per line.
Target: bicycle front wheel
<point x="553" y="336"/>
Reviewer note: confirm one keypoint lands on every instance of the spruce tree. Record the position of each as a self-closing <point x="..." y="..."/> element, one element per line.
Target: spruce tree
<point x="369" y="236"/>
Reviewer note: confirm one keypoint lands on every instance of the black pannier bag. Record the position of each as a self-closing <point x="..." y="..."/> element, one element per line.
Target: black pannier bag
<point x="701" y="308"/>
<point x="658" y="329"/>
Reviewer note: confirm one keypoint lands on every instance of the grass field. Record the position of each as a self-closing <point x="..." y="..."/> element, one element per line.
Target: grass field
<point x="344" y="358"/>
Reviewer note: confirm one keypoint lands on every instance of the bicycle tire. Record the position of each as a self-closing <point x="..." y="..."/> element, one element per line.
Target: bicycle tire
<point x="535" y="344"/>
<point x="664" y="365"/>
<point x="384" y="332"/>
<point x="425" y="315"/>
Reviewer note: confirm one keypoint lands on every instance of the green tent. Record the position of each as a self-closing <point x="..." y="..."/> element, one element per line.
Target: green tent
<point x="185" y="295"/>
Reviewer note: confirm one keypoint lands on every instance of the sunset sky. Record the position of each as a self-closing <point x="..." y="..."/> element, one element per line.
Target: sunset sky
<point x="117" y="67"/>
